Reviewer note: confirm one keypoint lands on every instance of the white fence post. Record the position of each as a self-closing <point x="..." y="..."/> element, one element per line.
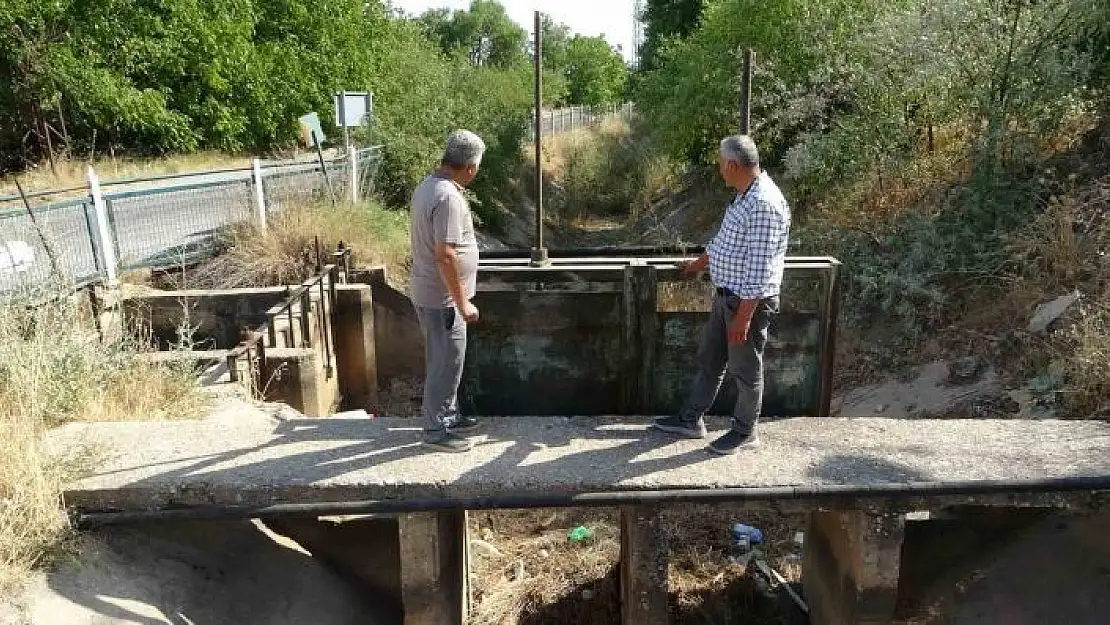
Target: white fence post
<point x="259" y="192"/>
<point x="107" y="246"/>
<point x="352" y="162"/>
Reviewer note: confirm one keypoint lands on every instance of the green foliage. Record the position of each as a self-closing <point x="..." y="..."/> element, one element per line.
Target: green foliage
<point x="596" y="73"/>
<point x="483" y="35"/>
<point x="692" y="96"/>
<point x="666" y="20"/>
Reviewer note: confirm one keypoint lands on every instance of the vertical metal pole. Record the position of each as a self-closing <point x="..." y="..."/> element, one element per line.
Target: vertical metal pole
<point x="539" y="252"/>
<point x="107" y="247"/>
<point x="746" y="93"/>
<point x="343" y="119"/>
<point x="352" y="163"/>
<point x="323" y="167"/>
<point x="259" y="192"/>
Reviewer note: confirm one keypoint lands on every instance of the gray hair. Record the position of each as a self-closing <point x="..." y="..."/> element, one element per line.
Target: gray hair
<point x="740" y="149"/>
<point x="463" y="148"/>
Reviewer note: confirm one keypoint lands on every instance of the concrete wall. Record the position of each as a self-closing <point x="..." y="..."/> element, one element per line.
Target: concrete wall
<point x="299" y="377"/>
<point x="355" y="348"/>
<point x="592" y="341"/>
<point x="217" y="316"/>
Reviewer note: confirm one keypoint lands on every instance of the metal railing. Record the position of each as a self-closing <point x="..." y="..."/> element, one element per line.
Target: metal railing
<point x="296" y="322"/>
<point x="161" y="221"/>
<point x="558" y="121"/>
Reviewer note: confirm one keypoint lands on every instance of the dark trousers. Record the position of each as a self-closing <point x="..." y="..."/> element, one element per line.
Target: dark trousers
<point x="444" y="354"/>
<point x="742" y="362"/>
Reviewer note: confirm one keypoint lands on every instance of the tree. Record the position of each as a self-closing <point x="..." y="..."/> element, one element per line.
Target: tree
<point x="596" y="73"/>
<point x="483" y="35"/>
<point x="663" y="20"/>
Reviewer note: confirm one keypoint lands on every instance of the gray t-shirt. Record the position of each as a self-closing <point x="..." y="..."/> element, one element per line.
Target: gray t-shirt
<point x="440" y="214"/>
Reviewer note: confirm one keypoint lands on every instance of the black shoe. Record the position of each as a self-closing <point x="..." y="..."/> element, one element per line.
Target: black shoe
<point x="446" y="441"/>
<point x="464" y="424"/>
<point x="681" y="427"/>
<point x="732" y="442"/>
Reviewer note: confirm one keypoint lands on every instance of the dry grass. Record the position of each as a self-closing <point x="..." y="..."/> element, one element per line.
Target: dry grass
<point x="536" y="575"/>
<point x="54" y="369"/>
<point x="71" y="171"/>
<point x="285" y="253"/>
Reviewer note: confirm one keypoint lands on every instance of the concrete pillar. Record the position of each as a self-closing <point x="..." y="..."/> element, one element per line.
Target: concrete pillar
<point x="643" y="567"/>
<point x="355" y="355"/>
<point x="851" y="565"/>
<point x="435" y="561"/>
<point x="297" y="378"/>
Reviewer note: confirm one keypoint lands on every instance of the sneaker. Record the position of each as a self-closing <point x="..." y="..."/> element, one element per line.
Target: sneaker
<point x="732" y="442"/>
<point x="446" y="441"/>
<point x="681" y="427"/>
<point x="464" y="424"/>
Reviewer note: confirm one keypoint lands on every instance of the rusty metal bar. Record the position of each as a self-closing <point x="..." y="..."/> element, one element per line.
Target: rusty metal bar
<point x="830" y="316"/>
<point x="306" y="323"/>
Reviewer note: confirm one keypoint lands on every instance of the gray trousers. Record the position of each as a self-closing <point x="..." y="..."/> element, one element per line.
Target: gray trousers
<point x="444" y="332"/>
<point x="742" y="362"/>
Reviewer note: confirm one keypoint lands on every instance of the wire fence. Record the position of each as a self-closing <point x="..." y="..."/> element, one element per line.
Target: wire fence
<point x="160" y="222"/>
<point x="559" y="121"/>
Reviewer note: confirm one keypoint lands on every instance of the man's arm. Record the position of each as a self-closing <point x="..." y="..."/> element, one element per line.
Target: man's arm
<point x="763" y="231"/>
<point x="448" y="227"/>
<point x="696" y="266"/>
<point x="447" y="261"/>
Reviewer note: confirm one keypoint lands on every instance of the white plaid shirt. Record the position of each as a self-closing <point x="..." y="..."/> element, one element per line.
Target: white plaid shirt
<point x="748" y="254"/>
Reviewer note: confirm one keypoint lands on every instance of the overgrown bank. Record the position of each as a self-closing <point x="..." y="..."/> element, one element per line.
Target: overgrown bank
<point x="55" y="368"/>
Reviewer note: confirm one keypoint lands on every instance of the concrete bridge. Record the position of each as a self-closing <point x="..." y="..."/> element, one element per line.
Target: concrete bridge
<point x="862" y="481"/>
<point x="856" y="477"/>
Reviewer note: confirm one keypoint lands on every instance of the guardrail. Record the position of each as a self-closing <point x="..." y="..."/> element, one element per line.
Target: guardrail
<point x="163" y="221"/>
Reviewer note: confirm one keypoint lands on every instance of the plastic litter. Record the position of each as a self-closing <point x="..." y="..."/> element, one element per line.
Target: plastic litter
<point x="580" y="534"/>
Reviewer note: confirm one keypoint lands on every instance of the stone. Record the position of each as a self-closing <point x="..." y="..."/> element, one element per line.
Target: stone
<point x="1047" y="313"/>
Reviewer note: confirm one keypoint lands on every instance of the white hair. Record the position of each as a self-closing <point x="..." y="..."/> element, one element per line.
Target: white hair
<point x="741" y="150"/>
<point x="463" y="148"/>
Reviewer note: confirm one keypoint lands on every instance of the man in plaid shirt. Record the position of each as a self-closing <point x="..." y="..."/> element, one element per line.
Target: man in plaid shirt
<point x="746" y="259"/>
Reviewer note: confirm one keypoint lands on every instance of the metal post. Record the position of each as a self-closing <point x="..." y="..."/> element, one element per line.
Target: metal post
<point x="259" y="192"/>
<point x="352" y="162"/>
<point x="107" y="246"/>
<point x="343" y="119"/>
<point x="539" y="252"/>
<point x="746" y="93"/>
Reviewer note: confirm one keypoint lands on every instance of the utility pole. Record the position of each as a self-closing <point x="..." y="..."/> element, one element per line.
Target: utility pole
<point x="539" y="252"/>
<point x="746" y="93"/>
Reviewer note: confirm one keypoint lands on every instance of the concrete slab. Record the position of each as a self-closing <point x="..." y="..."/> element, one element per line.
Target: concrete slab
<point x="245" y="454"/>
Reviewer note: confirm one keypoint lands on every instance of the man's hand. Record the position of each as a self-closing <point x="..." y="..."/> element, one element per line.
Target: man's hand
<point x="738" y="328"/>
<point x="741" y="321"/>
<point x="693" y="267"/>
<point x="469" y="312"/>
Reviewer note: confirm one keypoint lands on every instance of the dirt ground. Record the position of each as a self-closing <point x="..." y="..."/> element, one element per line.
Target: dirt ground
<point x="525" y="569"/>
<point x="205" y="573"/>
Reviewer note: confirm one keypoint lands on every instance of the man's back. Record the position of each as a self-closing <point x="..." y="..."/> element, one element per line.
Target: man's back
<point x="440" y="215"/>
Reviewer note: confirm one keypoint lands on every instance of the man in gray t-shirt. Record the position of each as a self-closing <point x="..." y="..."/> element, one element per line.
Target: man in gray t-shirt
<point x="444" y="273"/>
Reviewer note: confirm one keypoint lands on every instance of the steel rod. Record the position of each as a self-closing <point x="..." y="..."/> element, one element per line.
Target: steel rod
<point x="539" y="252"/>
<point x="1094" y="484"/>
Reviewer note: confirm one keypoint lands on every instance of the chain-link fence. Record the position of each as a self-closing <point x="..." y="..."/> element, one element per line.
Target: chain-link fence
<point x="162" y="222"/>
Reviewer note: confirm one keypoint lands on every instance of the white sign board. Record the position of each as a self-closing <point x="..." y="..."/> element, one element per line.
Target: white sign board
<point x="353" y="108"/>
<point x="310" y="123"/>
